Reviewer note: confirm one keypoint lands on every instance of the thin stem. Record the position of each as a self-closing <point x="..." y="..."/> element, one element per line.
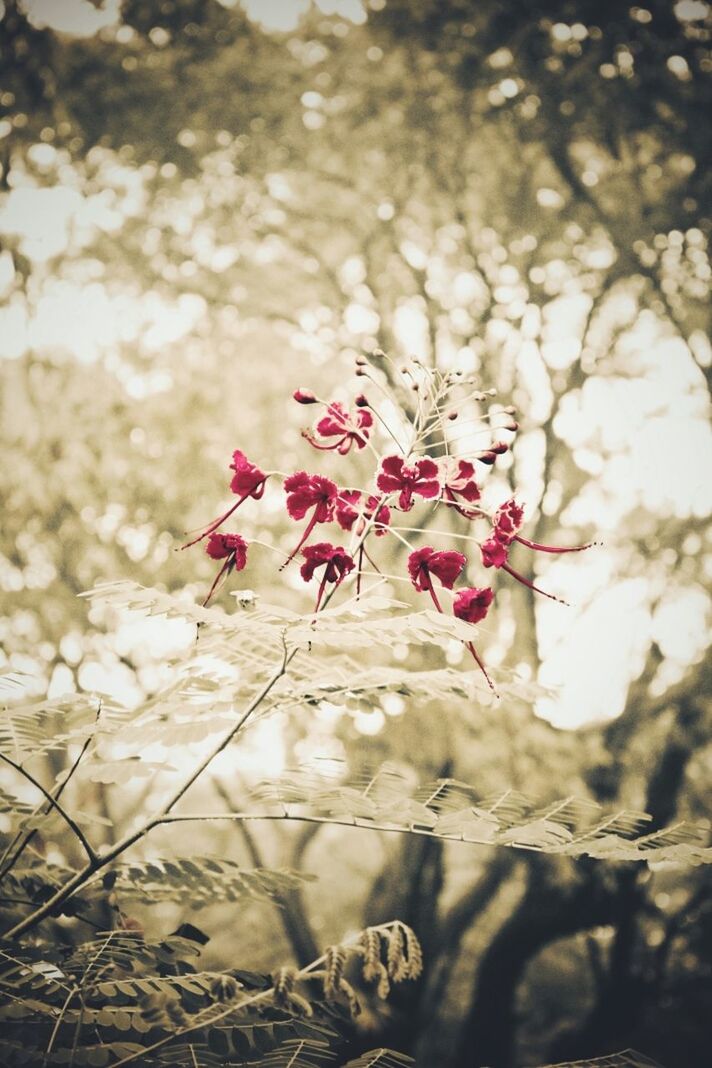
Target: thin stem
<point x="404" y="541"/>
<point x="70" y="995"/>
<point x="53" y="803"/>
<point x="359" y="566"/>
<point x="442" y="533"/>
<point x="385" y="426"/>
<point x="357" y="822"/>
<point x="24" y="843"/>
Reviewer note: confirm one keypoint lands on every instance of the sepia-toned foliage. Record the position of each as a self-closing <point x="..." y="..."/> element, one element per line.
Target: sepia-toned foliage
<point x="523" y="194"/>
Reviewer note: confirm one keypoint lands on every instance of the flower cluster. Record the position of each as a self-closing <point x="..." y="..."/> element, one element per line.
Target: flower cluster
<point x="401" y="480"/>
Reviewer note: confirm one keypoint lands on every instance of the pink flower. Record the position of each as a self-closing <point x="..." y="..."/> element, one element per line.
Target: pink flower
<point x="248" y="481"/>
<point x="421" y="478"/>
<point x="349" y="429"/>
<point x="336" y="562"/>
<point x="459" y="482"/>
<point x="446" y="566"/>
<point x="507" y="521"/>
<point x="304" y="396"/>
<point x="494" y="553"/>
<point x="382" y="514"/>
<point x="472" y="604"/>
<point x="348" y="512"/>
<point x="309" y="491"/>
<point x="232" y="548"/>
<point x="221" y="545"/>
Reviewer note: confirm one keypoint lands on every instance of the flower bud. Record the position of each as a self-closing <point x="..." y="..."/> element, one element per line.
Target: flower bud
<point x="360" y="371"/>
<point x="361" y="361"/>
<point x="488" y="457"/>
<point x="361" y="401"/>
<point x="511" y="426"/>
<point x="499" y="447"/>
<point x="378" y="354"/>
<point x="452" y="416"/>
<point x="304" y="396"/>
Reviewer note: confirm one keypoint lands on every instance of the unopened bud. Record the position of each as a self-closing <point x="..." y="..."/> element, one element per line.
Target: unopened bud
<point x="360" y="371"/>
<point x="511" y="426"/>
<point x="361" y="361"/>
<point x="304" y="396"/>
<point x="379" y="354"/>
<point x="510" y="410"/>
<point x="488" y="457"/>
<point x="452" y="416"/>
<point x="499" y="447"/>
<point x="361" y="401"/>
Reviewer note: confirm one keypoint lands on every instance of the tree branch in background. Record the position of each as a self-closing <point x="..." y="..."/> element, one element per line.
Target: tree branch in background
<point x="290" y="906"/>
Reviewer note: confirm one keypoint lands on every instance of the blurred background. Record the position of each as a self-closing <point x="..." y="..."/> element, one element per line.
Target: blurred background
<point x="204" y="205"/>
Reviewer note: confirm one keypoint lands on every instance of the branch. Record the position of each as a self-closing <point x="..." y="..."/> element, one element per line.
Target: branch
<point x="460" y="919"/>
<point x="290" y="905"/>
<point x="53" y="803"/>
<point x="99" y="861"/>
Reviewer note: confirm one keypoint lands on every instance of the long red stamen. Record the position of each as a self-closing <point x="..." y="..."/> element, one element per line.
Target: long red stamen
<point x="482" y="667"/>
<point x="320" y="594"/>
<point x="323" y="448"/>
<point x="227" y="566"/>
<point x="525" y="582"/>
<point x="433" y="594"/>
<point x="359" y="565"/>
<point x="310" y="526"/>
<point x="215" y="523"/>
<point x="553" y="548"/>
<point x="468" y="513"/>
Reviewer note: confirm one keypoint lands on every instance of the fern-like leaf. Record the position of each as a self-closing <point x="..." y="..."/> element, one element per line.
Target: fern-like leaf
<point x="627" y="1058"/>
<point x="299" y="1053"/>
<point x="381" y="1058"/>
<point x="449" y="809"/>
<point x="201" y="881"/>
